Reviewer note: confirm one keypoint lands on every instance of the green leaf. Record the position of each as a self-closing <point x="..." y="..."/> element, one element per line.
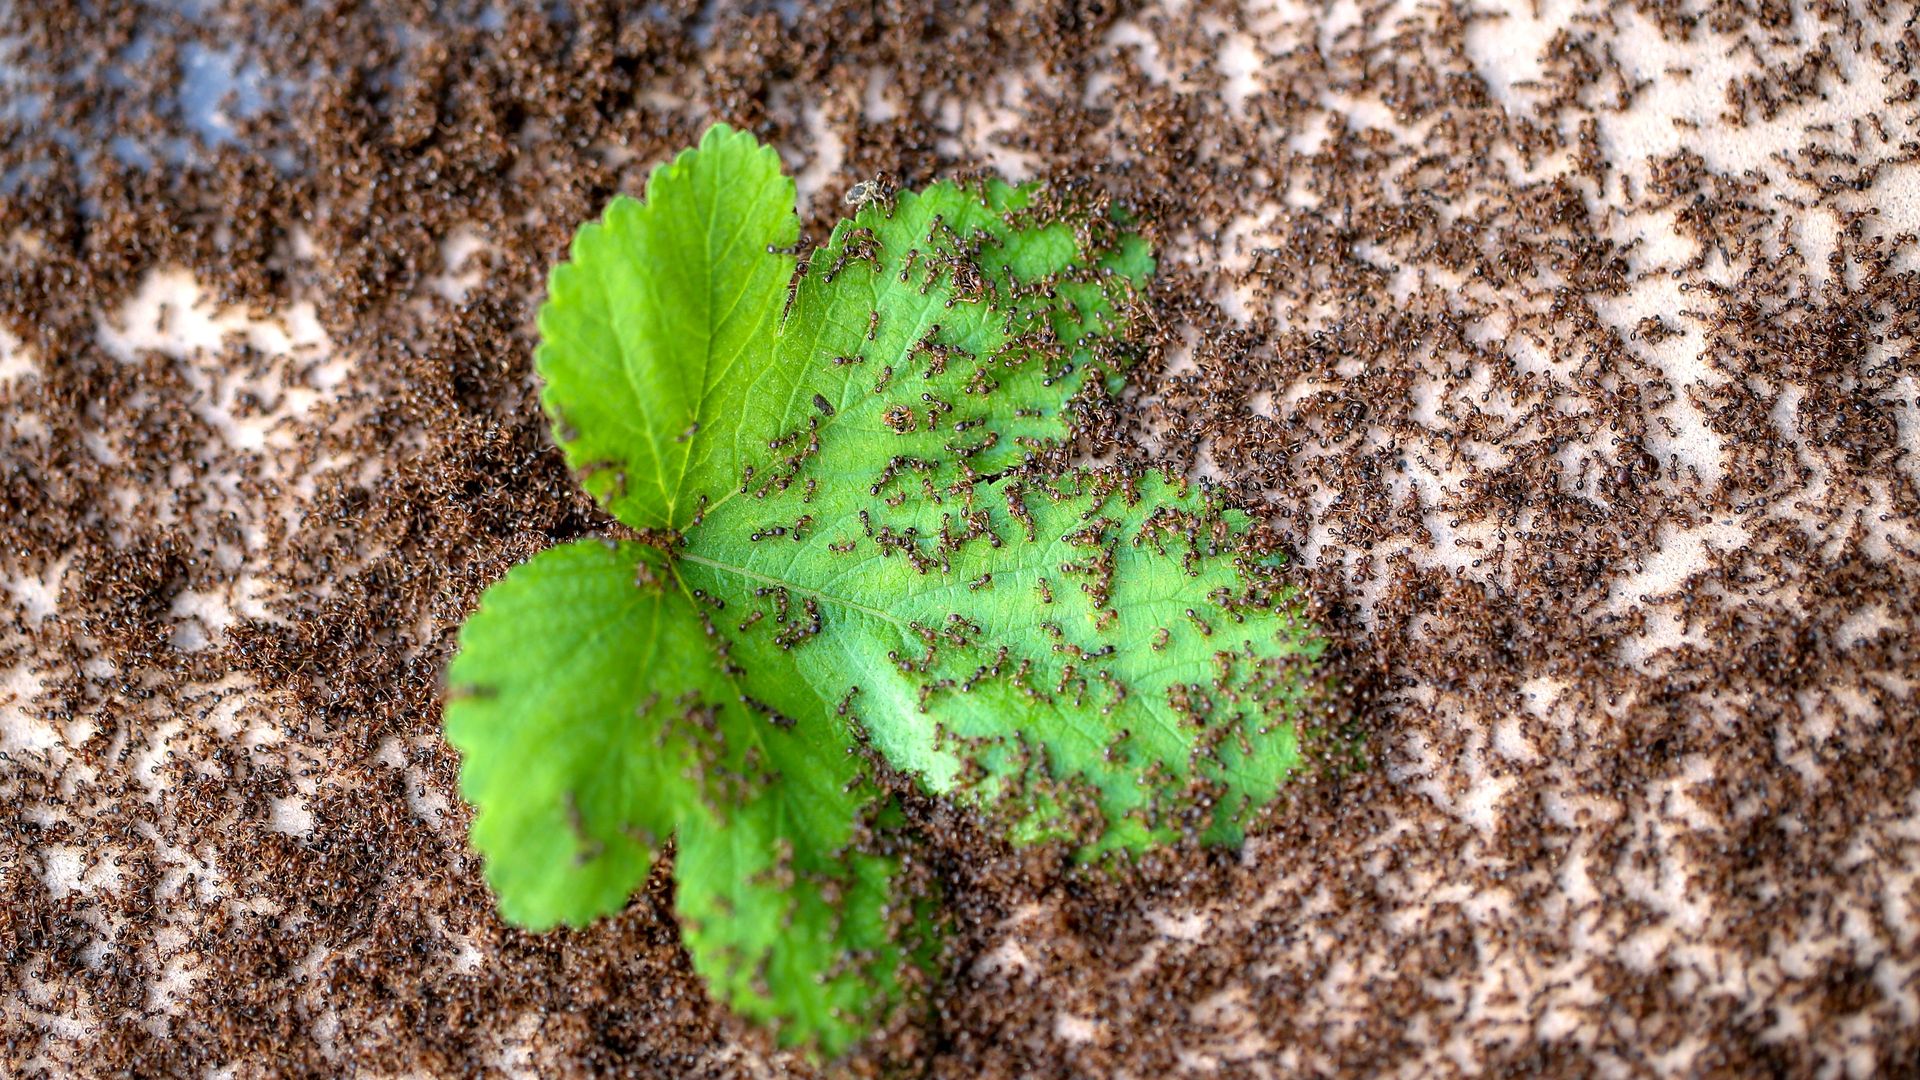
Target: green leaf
<point x="788" y="925"/>
<point x="651" y="334"/>
<point x="569" y="703"/>
<point x="932" y="344"/>
<point x="595" y="718"/>
<point x="1111" y="660"/>
<point x="866" y="540"/>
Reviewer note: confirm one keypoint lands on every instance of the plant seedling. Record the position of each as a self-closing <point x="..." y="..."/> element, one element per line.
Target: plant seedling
<point x="853" y="548"/>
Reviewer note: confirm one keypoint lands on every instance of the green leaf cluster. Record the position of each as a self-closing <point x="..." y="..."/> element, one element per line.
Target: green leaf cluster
<point x="853" y="545"/>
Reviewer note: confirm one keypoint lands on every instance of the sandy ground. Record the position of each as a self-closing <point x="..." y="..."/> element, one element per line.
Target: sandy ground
<point x="295" y="366"/>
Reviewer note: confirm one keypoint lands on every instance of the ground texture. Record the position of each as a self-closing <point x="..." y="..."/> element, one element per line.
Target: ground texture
<point x="1574" y="348"/>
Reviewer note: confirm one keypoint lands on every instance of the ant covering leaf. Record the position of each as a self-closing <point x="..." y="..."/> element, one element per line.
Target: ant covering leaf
<point x="856" y="549"/>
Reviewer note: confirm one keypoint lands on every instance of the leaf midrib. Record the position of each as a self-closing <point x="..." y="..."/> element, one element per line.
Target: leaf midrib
<point x="1065" y="715"/>
<point x="764" y="579"/>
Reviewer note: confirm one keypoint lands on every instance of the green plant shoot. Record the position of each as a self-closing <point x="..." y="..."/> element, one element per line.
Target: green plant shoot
<point x="860" y="542"/>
